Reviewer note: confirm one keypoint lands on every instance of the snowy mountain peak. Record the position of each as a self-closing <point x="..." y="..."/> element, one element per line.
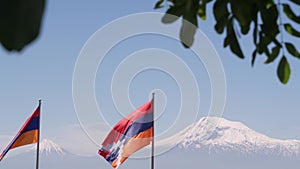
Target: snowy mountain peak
<point x="212" y="129"/>
<point x="48" y="147"/>
<point x="220" y="135"/>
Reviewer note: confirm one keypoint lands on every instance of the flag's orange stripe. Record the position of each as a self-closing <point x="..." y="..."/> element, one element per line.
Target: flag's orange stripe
<point x="26" y="138"/>
<point x="137" y="142"/>
<point x="134" y="144"/>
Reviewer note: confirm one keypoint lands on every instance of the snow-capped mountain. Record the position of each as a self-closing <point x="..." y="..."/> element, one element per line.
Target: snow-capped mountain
<point x="221" y="135"/>
<point x="213" y="143"/>
<point x="48" y="147"/>
<point x="52" y="156"/>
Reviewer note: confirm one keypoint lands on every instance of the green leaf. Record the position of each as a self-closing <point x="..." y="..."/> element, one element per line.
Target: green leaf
<point x="253" y="57"/>
<point x="264" y="41"/>
<point x="221" y="15"/>
<point x="174" y="12"/>
<point x="274" y="54"/>
<point x="202" y="11"/>
<point x="269" y="4"/>
<point x="291" y="30"/>
<point x="296" y="1"/>
<point x="220" y="9"/>
<point x="220" y="25"/>
<point x="283" y="70"/>
<point x="189" y="23"/>
<point x="232" y="40"/>
<point x="172" y="15"/>
<point x="206" y="1"/>
<point x="226" y="41"/>
<point x="20" y="22"/>
<point x="269" y="17"/>
<point x="292" y="50"/>
<point x="277" y="43"/>
<point x="159" y="4"/>
<point x="255" y="30"/>
<point x="187" y="33"/>
<point x="190" y="11"/>
<point x="242" y="11"/>
<point x="290" y="14"/>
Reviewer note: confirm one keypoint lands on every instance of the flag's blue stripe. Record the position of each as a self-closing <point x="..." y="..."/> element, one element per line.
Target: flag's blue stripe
<point x="142" y="124"/>
<point x="113" y="155"/>
<point x="33" y="125"/>
<point x="136" y="128"/>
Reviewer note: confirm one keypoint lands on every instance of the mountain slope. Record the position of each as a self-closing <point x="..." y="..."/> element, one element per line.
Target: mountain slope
<point x="51" y="157"/>
<point x="230" y="145"/>
<point x="221" y="135"/>
<point x="49" y="147"/>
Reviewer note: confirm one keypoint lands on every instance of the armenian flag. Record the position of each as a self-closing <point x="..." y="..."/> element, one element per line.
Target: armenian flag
<point x="28" y="134"/>
<point x="129" y="135"/>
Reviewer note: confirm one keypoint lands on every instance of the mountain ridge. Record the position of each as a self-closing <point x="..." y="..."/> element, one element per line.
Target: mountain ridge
<point x="48" y="147"/>
<point x="214" y="134"/>
<point x="220" y="135"/>
<point x="194" y="147"/>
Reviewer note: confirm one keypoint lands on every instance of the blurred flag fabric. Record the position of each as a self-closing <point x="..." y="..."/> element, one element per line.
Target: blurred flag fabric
<point x="129" y="135"/>
<point x="28" y="134"/>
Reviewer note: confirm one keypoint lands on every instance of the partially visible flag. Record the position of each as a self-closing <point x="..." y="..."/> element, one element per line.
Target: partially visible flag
<point x="129" y="135"/>
<point x="28" y="134"/>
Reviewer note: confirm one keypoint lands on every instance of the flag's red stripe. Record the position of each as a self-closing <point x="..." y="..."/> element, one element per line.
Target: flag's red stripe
<point x="122" y="125"/>
<point x="142" y="124"/>
<point x="21" y="132"/>
<point x="36" y="112"/>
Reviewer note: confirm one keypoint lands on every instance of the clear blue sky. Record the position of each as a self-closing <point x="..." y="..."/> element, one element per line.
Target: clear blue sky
<point x="44" y="70"/>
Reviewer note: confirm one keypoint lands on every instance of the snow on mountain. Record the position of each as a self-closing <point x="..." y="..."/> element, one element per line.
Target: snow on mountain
<point x="49" y="147"/>
<point x="51" y="157"/>
<point x="221" y="135"/>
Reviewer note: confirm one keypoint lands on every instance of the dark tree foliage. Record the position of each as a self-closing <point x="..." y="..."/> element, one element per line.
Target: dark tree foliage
<point x="20" y="22"/>
<point x="261" y="18"/>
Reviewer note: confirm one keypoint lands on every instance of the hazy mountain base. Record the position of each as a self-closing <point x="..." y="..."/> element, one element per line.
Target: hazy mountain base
<point x="176" y="159"/>
<point x="202" y="159"/>
<point x="231" y="145"/>
<point x="51" y="161"/>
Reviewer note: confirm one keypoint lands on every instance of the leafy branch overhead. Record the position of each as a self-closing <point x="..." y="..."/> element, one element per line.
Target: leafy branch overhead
<point x="20" y="22"/>
<point x="261" y="18"/>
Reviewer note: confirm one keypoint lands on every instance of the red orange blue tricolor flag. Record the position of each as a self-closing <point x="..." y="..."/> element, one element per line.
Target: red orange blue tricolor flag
<point x="28" y="134"/>
<point x="129" y="135"/>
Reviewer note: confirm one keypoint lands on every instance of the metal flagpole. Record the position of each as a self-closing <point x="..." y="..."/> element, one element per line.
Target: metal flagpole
<point x="152" y="145"/>
<point x="38" y="142"/>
